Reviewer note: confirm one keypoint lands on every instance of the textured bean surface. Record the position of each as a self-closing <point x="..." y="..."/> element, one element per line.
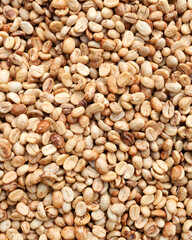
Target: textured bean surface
<point x="95" y="120"/>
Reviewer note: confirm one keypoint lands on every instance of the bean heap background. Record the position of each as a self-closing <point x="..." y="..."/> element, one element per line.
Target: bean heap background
<point x="96" y="120"/>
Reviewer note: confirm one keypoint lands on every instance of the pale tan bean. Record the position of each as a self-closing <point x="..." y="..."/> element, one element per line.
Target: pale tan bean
<point x="129" y="172"/>
<point x="110" y="3"/>
<point x="9" y="177"/>
<point x="99" y="231"/>
<point x="82" y="69"/>
<point x="97" y="215"/>
<point x="80" y="209"/>
<point x="137" y="98"/>
<point x="90" y="155"/>
<point x="68" y="45"/>
<point x="110" y="176"/>
<point x="134" y="212"/>
<point x="62" y="97"/>
<point x="147" y="199"/>
<point x="68" y="194"/>
<point x="137" y="124"/>
<point x="22" y="209"/>
<point x="121" y="168"/>
<point x="16" y="195"/>
<point x="70" y="163"/>
<point x="105" y="202"/>
<point x="171" y="205"/>
<point x="143" y="28"/>
<point x="151" y="135"/>
<point x="26" y="27"/>
<point x="118" y="208"/>
<point x="49" y="149"/>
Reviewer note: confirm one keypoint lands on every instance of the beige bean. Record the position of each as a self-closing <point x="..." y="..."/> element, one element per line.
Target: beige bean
<point x="80" y="209"/>
<point x="16" y="195"/>
<point x="68" y="45"/>
<point x="171" y="205"/>
<point x="68" y="194"/>
<point x="26" y="27"/>
<point x="134" y="212"/>
<point x="110" y="176"/>
<point x="22" y="209"/>
<point x="143" y="28"/>
<point x="9" y="177"/>
<point x="151" y="135"/>
<point x="99" y="231"/>
<point x="118" y="208"/>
